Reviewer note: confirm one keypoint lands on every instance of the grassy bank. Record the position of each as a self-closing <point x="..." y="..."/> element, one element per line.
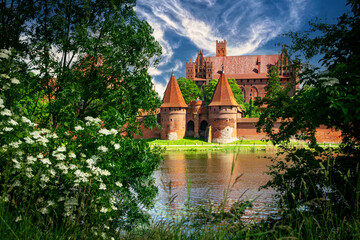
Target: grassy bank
<point x="198" y="144"/>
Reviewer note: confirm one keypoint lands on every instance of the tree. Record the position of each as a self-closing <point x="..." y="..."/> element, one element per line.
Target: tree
<point x="77" y="61"/>
<point x="332" y="99"/>
<point x="189" y="89"/>
<point x="210" y="89"/>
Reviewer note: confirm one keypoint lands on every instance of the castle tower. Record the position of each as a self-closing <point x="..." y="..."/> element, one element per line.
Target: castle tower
<point x="190" y="70"/>
<point x="173" y="112"/>
<point x="223" y="113"/>
<point x="221" y="48"/>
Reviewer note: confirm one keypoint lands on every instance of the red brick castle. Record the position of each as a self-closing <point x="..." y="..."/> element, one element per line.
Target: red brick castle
<point x="221" y="121"/>
<point x="250" y="72"/>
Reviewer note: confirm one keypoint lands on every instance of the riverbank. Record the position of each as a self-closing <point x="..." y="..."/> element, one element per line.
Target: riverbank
<point x="197" y="144"/>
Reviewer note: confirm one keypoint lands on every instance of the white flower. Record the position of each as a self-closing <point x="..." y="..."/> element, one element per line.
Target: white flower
<point x="6" y="112"/>
<point x="4" y="76"/>
<point x="18" y="219"/>
<point x="15" y="81"/>
<point x="43" y="210"/>
<point x="63" y="167"/>
<point x="103" y="210"/>
<point x="25" y="120"/>
<point x="91" y="161"/>
<point x="113" y="131"/>
<point x="1" y="103"/>
<point x="103" y="148"/>
<point x="72" y="166"/>
<point x="61" y="149"/>
<point x="91" y="120"/>
<point x="104" y="131"/>
<point x="52" y="171"/>
<point x="42" y="140"/>
<point x="72" y="155"/>
<point x="13" y="122"/>
<point x="59" y="156"/>
<point x="36" y="134"/>
<point x="30" y="159"/>
<point x="8" y="129"/>
<point x="119" y="184"/>
<point x="45" y="161"/>
<point x="29" y="140"/>
<point x="102" y="186"/>
<point x="82" y="155"/>
<point x="15" y="144"/>
<point x="116" y="146"/>
<point x="44" y="178"/>
<point x="54" y="135"/>
<point x="78" y="128"/>
<point x="105" y="172"/>
<point x="50" y="203"/>
<point x="40" y="156"/>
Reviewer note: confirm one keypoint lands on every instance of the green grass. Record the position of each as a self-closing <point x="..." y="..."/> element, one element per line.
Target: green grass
<point x="198" y="144"/>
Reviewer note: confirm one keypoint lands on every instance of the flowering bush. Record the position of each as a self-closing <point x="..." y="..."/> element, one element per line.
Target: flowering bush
<point x="88" y="176"/>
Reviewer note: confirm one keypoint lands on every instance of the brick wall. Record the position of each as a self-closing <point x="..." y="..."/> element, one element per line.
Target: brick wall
<point x="246" y="130"/>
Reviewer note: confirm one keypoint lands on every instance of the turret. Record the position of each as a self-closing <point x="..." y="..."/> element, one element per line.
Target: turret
<point x="173" y="112"/>
<point x="223" y="110"/>
<point x="221" y="48"/>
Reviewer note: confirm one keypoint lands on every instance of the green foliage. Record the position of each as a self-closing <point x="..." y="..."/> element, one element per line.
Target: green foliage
<point x="251" y="110"/>
<point x="189" y="89"/>
<point x="273" y="87"/>
<point x="91" y="60"/>
<point x="318" y="178"/>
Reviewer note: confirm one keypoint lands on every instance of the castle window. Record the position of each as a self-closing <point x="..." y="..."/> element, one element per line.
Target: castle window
<point x="250" y="84"/>
<point x="169" y="109"/>
<point x="170" y="119"/>
<point x="248" y="80"/>
<point x="260" y="80"/>
<point x="255" y="80"/>
<point x="219" y="107"/>
<point x="241" y="80"/>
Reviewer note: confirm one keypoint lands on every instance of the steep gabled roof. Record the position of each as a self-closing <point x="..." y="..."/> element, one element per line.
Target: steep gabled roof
<point x="172" y="95"/>
<point x="223" y="96"/>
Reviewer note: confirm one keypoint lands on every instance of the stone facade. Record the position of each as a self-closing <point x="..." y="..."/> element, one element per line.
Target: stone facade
<point x="250" y="72"/>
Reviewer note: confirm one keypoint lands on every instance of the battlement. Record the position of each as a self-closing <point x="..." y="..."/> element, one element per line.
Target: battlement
<point x="221" y="48"/>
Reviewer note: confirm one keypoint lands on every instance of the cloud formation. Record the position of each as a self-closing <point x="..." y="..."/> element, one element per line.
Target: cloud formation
<point x="184" y="25"/>
<point x="246" y="24"/>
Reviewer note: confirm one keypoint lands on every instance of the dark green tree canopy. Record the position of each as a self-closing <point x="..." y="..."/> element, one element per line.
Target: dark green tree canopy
<point x="189" y="89"/>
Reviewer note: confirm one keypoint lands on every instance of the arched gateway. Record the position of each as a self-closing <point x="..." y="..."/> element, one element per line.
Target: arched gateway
<point x="190" y="126"/>
<point x="202" y="129"/>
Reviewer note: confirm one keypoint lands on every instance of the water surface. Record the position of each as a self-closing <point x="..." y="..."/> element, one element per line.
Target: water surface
<point x="209" y="174"/>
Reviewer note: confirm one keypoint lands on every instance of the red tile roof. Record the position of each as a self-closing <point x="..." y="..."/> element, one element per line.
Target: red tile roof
<point x="223" y="96"/>
<point x="173" y="96"/>
<point x="239" y="65"/>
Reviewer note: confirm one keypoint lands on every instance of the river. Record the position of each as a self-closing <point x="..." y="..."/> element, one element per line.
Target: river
<point x="209" y="174"/>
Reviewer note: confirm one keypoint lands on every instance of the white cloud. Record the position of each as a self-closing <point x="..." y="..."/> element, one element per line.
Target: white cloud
<point x="245" y="24"/>
<point x="159" y="87"/>
<point x="154" y="71"/>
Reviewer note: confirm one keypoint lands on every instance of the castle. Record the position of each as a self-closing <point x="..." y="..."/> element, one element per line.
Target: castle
<point x="250" y="72"/>
<point x="222" y="120"/>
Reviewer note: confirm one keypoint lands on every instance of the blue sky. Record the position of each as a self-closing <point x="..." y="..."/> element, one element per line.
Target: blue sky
<point x="183" y="27"/>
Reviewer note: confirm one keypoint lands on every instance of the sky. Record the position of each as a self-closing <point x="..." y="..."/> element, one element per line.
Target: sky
<point x="250" y="27"/>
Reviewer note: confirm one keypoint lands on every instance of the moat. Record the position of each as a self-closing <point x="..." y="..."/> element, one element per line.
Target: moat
<point x="209" y="174"/>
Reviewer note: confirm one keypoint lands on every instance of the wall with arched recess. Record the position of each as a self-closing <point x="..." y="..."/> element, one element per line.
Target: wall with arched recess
<point x="254" y="93"/>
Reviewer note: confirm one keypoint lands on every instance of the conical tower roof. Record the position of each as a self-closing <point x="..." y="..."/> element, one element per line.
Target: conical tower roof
<point x="223" y="96"/>
<point x="173" y="96"/>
